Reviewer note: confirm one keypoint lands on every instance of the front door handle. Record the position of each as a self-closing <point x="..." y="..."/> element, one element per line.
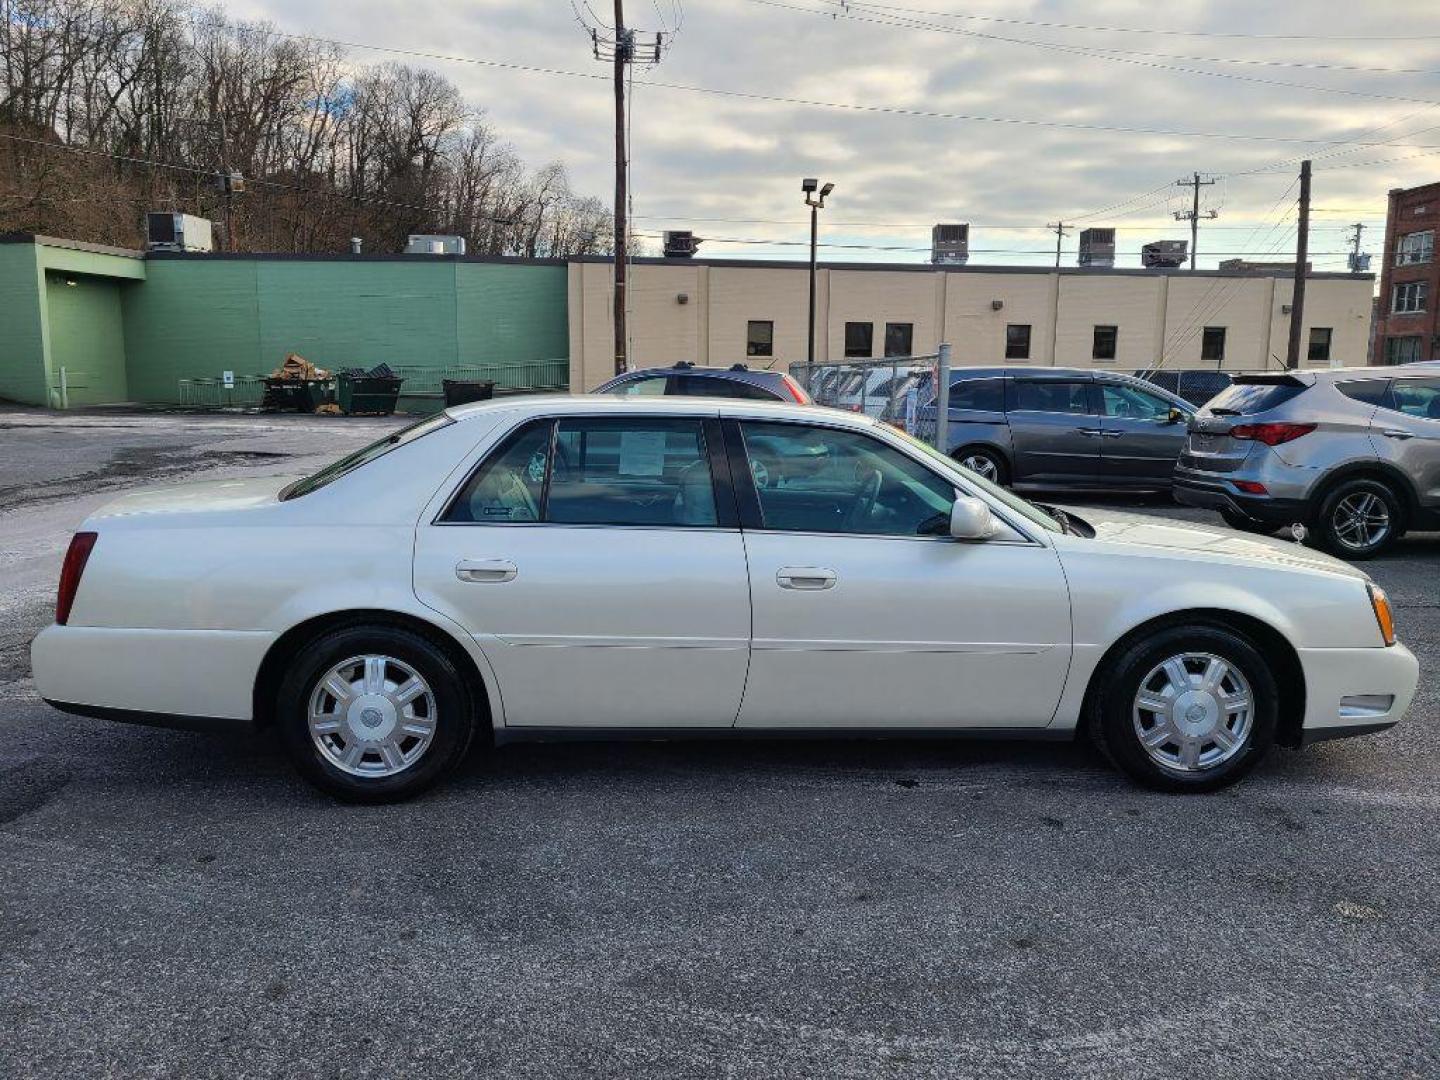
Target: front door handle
<point x="805" y="577"/>
<point x="1087" y="431"/>
<point x="1397" y="433"/>
<point x="485" y="570"/>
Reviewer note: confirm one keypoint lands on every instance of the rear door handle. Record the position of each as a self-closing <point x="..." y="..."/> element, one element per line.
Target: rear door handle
<point x="485" y="570"/>
<point x="805" y="577"/>
<point x="1397" y="433"/>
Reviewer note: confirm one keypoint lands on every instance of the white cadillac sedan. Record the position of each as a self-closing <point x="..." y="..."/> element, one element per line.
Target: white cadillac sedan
<point x="551" y="566"/>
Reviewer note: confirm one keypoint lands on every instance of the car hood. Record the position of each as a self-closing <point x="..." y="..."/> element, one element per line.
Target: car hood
<point x="200" y="496"/>
<point x="1207" y="541"/>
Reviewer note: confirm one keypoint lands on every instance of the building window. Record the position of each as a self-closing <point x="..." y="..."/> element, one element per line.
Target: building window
<point x="1410" y="297"/>
<point x="860" y="340"/>
<point x="1415" y="247"/>
<point x="1106" y="338"/>
<point x="899" y="337"/>
<point x="759" y="338"/>
<point x="1402" y="350"/>
<point x="1212" y="344"/>
<point x="1017" y="341"/>
<point x="1320" y="344"/>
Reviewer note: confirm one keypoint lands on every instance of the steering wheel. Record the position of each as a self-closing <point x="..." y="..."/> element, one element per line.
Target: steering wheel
<point x="865" y="499"/>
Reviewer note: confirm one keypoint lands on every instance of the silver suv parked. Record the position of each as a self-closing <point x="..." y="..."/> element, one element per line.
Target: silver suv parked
<point x="1353" y="454"/>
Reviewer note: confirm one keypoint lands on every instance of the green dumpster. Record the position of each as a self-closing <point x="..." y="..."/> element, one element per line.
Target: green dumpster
<point x="368" y="395"/>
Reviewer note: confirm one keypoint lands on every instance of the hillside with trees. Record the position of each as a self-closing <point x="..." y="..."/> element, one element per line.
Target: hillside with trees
<point x="111" y="108"/>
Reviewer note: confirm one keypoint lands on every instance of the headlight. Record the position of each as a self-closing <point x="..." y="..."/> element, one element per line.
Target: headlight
<point x="1383" y="615"/>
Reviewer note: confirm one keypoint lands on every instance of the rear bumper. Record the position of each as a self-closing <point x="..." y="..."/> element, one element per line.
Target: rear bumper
<point x="1191" y="489"/>
<point x="1355" y="691"/>
<point x="199" y="679"/>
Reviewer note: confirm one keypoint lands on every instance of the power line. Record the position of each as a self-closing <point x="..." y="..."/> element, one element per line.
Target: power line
<point x="879" y="110"/>
<point x="1159" y="32"/>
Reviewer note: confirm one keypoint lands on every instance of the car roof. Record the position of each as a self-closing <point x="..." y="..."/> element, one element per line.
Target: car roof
<point x="592" y="404"/>
<point x="684" y="368"/>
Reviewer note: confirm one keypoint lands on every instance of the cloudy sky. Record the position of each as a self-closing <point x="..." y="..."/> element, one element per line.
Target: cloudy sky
<point x="1305" y="77"/>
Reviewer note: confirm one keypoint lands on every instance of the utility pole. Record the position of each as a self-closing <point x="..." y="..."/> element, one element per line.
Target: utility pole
<point x="624" y="52"/>
<point x="1061" y="230"/>
<point x="1358" y="263"/>
<point x="1302" y="252"/>
<point x="1193" y="215"/>
<point x="622" y="48"/>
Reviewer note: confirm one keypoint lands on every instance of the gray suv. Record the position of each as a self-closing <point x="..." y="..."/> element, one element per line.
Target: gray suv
<point x="1353" y="454"/>
<point x="1064" y="428"/>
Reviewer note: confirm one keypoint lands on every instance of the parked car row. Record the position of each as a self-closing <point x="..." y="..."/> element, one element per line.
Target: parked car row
<point x="1351" y="454"/>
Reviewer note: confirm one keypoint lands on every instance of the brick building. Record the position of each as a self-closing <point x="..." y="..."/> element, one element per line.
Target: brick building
<point x="1406" y="328"/>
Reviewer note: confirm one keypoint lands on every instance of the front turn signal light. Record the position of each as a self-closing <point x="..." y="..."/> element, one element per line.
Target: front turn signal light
<point x="1383" y="615"/>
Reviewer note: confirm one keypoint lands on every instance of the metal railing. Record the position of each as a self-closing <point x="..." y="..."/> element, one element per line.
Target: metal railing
<point x="67" y="380"/>
<point x="520" y="377"/>
<point x="244" y="392"/>
<point x="421" y="381"/>
<point x="910" y="392"/>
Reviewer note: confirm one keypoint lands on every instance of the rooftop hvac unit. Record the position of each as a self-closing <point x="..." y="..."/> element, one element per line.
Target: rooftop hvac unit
<point x="1097" y="248"/>
<point x="427" y="244"/>
<point x="166" y="231"/>
<point x="950" y="244"/>
<point x="681" y="245"/>
<point x="1165" y="254"/>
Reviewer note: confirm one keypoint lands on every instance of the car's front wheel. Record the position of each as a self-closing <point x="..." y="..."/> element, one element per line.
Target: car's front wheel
<point x="1186" y="708"/>
<point x="984" y="462"/>
<point x="375" y="714"/>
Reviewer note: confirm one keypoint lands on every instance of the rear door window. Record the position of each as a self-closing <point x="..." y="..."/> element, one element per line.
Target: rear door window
<point x="1050" y="396"/>
<point x="1246" y="399"/>
<point x="716" y="386"/>
<point x="1419" y="398"/>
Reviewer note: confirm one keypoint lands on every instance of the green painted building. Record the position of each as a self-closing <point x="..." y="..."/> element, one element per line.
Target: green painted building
<point x="81" y="324"/>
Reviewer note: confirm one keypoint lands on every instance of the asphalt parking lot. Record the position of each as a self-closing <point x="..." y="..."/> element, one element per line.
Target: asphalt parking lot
<point x="176" y="905"/>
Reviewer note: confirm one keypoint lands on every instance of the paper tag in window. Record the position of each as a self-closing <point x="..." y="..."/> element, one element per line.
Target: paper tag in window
<point x="642" y="453"/>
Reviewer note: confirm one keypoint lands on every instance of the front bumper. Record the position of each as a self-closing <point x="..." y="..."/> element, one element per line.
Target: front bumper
<point x="1200" y="489"/>
<point x="1355" y="691"/>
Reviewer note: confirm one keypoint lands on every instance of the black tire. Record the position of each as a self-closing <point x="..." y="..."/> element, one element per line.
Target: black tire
<point x="1112" y="722"/>
<point x="1245" y="523"/>
<point x="1327" y="535"/>
<point x="454" y="717"/>
<point x="993" y="458"/>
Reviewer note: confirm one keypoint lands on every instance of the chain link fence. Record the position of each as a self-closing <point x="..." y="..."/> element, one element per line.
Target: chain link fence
<point x="900" y="390"/>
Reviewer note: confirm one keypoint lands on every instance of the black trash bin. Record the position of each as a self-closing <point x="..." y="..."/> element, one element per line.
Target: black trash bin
<point x="464" y="391"/>
<point x="294" y="395"/>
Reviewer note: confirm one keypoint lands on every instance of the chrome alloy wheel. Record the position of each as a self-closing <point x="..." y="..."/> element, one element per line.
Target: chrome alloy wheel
<point x="372" y="716"/>
<point x="1361" y="521"/>
<point x="1193" y="712"/>
<point x="980" y="463"/>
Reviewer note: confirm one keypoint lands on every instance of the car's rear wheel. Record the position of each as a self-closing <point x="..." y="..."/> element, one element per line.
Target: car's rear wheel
<point x="1245" y="523"/>
<point x="1358" y="519"/>
<point x="1186" y="708"/>
<point x="984" y="462"/>
<point x="375" y="714"/>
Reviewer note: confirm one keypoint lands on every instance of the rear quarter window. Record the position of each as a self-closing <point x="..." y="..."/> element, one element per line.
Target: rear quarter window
<point x="1369" y="391"/>
<point x="1246" y="399"/>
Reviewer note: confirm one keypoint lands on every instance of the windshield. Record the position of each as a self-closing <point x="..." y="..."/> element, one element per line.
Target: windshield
<point x="1028" y="510"/>
<point x="364" y="456"/>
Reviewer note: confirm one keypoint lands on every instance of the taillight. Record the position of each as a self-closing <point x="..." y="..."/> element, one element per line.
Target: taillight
<point x="795" y="390"/>
<point x="1271" y="434"/>
<point x="81" y="544"/>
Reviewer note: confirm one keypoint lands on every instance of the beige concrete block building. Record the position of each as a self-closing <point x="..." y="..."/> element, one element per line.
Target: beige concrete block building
<point x="721" y="312"/>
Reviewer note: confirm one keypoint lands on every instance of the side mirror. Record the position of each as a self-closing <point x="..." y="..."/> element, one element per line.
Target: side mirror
<point x="970" y="519"/>
<point x="1177" y="416"/>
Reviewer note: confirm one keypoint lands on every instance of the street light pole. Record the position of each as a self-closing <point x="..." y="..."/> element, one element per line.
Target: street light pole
<point x="816" y="204"/>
